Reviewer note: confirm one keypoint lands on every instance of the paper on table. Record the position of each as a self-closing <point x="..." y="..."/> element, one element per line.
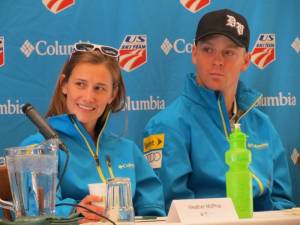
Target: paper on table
<point x="98" y="189"/>
<point x="204" y="210"/>
<point x="139" y="219"/>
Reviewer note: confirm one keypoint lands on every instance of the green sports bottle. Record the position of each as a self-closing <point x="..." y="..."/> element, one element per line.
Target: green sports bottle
<point x="238" y="177"/>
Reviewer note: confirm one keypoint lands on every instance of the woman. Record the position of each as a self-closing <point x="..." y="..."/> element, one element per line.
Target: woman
<point x="89" y="88"/>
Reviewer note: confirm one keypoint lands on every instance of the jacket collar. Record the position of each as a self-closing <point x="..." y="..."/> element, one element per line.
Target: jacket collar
<point x="245" y="96"/>
<point x="63" y="124"/>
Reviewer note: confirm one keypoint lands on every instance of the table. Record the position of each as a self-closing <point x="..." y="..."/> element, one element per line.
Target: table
<point x="283" y="217"/>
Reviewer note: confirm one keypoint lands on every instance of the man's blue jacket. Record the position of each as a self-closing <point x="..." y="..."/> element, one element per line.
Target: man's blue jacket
<point x="186" y="144"/>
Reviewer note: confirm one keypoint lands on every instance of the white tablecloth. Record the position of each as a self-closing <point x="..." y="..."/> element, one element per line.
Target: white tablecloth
<point x="284" y="217"/>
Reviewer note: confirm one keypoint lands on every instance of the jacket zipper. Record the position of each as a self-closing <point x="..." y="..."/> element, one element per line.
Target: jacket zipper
<point x="259" y="182"/>
<point x="96" y="156"/>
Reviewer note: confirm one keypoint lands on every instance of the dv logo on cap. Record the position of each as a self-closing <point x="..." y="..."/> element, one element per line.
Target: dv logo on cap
<point x="232" y="22"/>
<point x="194" y="5"/>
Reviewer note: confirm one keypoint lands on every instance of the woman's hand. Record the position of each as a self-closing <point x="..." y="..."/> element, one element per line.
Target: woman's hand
<point x="88" y="203"/>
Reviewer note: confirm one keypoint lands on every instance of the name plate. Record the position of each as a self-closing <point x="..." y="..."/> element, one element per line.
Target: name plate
<point x="202" y="211"/>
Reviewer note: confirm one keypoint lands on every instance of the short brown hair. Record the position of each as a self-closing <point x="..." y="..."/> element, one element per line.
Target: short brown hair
<point x="58" y="102"/>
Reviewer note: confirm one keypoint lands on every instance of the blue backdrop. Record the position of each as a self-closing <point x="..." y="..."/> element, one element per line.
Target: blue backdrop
<point x="155" y="39"/>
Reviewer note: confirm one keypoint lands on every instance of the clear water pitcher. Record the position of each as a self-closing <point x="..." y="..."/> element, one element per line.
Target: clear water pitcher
<point x="32" y="172"/>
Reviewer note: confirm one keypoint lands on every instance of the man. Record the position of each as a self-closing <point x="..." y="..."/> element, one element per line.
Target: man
<point x="186" y="143"/>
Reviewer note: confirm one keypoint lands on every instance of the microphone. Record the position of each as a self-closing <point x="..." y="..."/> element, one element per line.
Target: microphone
<point x="43" y="127"/>
<point x="39" y="121"/>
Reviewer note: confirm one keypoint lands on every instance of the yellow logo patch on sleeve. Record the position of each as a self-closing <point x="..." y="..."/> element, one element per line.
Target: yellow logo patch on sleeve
<point x="153" y="146"/>
<point x="154" y="141"/>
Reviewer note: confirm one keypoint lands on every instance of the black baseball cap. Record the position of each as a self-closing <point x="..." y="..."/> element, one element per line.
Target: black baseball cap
<point x="225" y="22"/>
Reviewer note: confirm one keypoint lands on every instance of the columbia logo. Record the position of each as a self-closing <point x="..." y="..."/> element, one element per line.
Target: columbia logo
<point x="296" y="45"/>
<point x="126" y="165"/>
<point x="27" y="48"/>
<point x="166" y="46"/>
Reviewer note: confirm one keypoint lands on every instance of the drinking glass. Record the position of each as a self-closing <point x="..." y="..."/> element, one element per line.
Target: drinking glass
<point x="119" y="201"/>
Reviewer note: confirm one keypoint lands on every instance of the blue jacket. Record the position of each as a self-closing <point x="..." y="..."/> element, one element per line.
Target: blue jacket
<point x="186" y="143"/>
<point x="118" y="157"/>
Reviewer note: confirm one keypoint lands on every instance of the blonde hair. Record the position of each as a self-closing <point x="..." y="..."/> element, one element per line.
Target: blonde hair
<point x="58" y="102"/>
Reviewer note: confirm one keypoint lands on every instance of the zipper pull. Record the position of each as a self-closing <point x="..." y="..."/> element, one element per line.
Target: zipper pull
<point x="108" y="161"/>
<point x="96" y="160"/>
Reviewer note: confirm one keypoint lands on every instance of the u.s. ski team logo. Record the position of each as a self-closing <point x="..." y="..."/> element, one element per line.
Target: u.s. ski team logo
<point x="56" y="6"/>
<point x="133" y="52"/>
<point x="1" y="51"/>
<point x="194" y="5"/>
<point x="264" y="52"/>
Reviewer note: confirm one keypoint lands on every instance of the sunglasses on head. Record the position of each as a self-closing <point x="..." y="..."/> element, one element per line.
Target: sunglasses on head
<point x="104" y="49"/>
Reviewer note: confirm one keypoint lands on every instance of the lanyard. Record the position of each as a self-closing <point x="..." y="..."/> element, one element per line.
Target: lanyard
<point x="96" y="155"/>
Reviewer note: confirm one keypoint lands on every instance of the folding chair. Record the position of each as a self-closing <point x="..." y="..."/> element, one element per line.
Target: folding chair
<point x="5" y="192"/>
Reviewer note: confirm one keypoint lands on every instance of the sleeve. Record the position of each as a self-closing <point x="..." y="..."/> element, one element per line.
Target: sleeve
<point x="282" y="187"/>
<point x="174" y="166"/>
<point x="62" y="210"/>
<point x="148" y="199"/>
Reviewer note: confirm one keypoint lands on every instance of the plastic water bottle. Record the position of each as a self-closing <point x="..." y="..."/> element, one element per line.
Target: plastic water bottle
<point x="238" y="177"/>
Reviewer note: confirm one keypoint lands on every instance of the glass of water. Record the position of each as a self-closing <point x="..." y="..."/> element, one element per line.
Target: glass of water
<point x="119" y="206"/>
